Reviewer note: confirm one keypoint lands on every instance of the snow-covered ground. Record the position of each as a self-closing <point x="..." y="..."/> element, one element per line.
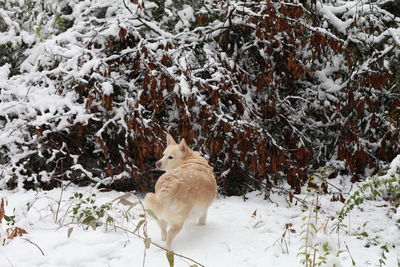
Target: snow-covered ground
<point x="238" y="233"/>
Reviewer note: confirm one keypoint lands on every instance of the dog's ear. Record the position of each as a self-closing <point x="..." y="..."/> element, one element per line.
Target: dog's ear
<point x="170" y="140"/>
<point x="183" y="146"/>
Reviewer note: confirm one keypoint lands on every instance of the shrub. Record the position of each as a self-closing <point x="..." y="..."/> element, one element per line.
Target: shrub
<point x="270" y="90"/>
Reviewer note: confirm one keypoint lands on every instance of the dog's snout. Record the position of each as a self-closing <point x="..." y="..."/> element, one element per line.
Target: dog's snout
<point x="158" y="164"/>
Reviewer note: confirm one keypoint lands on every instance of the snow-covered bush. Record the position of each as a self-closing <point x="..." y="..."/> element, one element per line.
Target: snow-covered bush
<point x="268" y="89"/>
<point x="384" y="186"/>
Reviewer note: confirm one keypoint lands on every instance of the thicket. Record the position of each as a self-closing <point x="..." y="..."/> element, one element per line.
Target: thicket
<point x="270" y="90"/>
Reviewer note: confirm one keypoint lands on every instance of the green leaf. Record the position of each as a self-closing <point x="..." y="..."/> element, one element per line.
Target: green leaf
<point x="124" y="196"/>
<point x="170" y="257"/>
<point x="7" y="218"/>
<point x="313" y="227"/>
<point x="69" y="232"/>
<point x="258" y="224"/>
<point x="93" y="224"/>
<point x="325" y="247"/>
<point x="88" y="219"/>
<point x="151" y="213"/>
<point x="147" y="242"/>
<point x="126" y="202"/>
<point x="138" y="225"/>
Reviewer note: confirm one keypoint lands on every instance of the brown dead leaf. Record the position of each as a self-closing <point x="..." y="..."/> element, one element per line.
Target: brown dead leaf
<point x="122" y="34"/>
<point x="79" y="129"/>
<point x="2" y="212"/>
<point x="201" y="19"/>
<point x="254" y="213"/>
<point x="106" y="102"/>
<point x="109" y="169"/>
<point x="89" y="101"/>
<point x="39" y="132"/>
<point x="288" y="225"/>
<point x="14" y="232"/>
<point x="290" y="197"/>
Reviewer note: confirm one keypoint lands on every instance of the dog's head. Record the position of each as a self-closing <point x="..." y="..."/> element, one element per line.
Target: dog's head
<point x="173" y="154"/>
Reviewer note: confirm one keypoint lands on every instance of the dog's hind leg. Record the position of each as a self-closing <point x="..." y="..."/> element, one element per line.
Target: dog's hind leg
<point x="163" y="226"/>
<point x="176" y="224"/>
<point x="172" y="232"/>
<point x="203" y="217"/>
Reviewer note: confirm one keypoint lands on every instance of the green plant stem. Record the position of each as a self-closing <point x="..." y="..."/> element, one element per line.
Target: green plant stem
<point x="316" y="222"/>
<point x="61" y="193"/>
<point x="352" y="260"/>
<point x="143" y="238"/>
<point x="307" y="233"/>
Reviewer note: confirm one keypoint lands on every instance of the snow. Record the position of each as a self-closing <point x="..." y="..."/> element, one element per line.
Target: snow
<point x="107" y="88"/>
<point x="5" y="71"/>
<point x="394" y="166"/>
<point x="184" y="86"/>
<point x="329" y="15"/>
<point x="237" y="233"/>
<point x="168" y="3"/>
<point x="186" y="16"/>
<point x="43" y="94"/>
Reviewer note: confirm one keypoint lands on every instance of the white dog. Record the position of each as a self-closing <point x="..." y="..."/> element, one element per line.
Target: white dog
<point x="187" y="185"/>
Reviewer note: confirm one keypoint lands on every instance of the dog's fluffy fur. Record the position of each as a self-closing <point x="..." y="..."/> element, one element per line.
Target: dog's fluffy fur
<point x="188" y="185"/>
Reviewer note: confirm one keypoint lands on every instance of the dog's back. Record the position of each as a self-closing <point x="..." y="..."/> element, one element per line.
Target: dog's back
<point x="179" y="190"/>
<point x="189" y="186"/>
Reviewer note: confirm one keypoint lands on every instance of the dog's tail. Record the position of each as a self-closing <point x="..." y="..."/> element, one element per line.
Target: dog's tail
<point x="151" y="202"/>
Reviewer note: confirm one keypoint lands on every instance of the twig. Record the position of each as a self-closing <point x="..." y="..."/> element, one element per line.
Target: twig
<point x="176" y="254"/>
<point x="144" y="228"/>
<point x="11" y="264"/>
<point x="142" y="237"/>
<point x="144" y="256"/>
<point x="282" y="240"/>
<point x="268" y="187"/>
<point x="267" y="195"/>
<point x="286" y="191"/>
<point x="33" y="244"/>
<point x="62" y="190"/>
<point x="340" y="190"/>
<point x="352" y="260"/>
<point x="155" y="30"/>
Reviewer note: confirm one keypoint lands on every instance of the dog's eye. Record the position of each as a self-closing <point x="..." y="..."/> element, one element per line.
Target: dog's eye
<point x="170" y="157"/>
